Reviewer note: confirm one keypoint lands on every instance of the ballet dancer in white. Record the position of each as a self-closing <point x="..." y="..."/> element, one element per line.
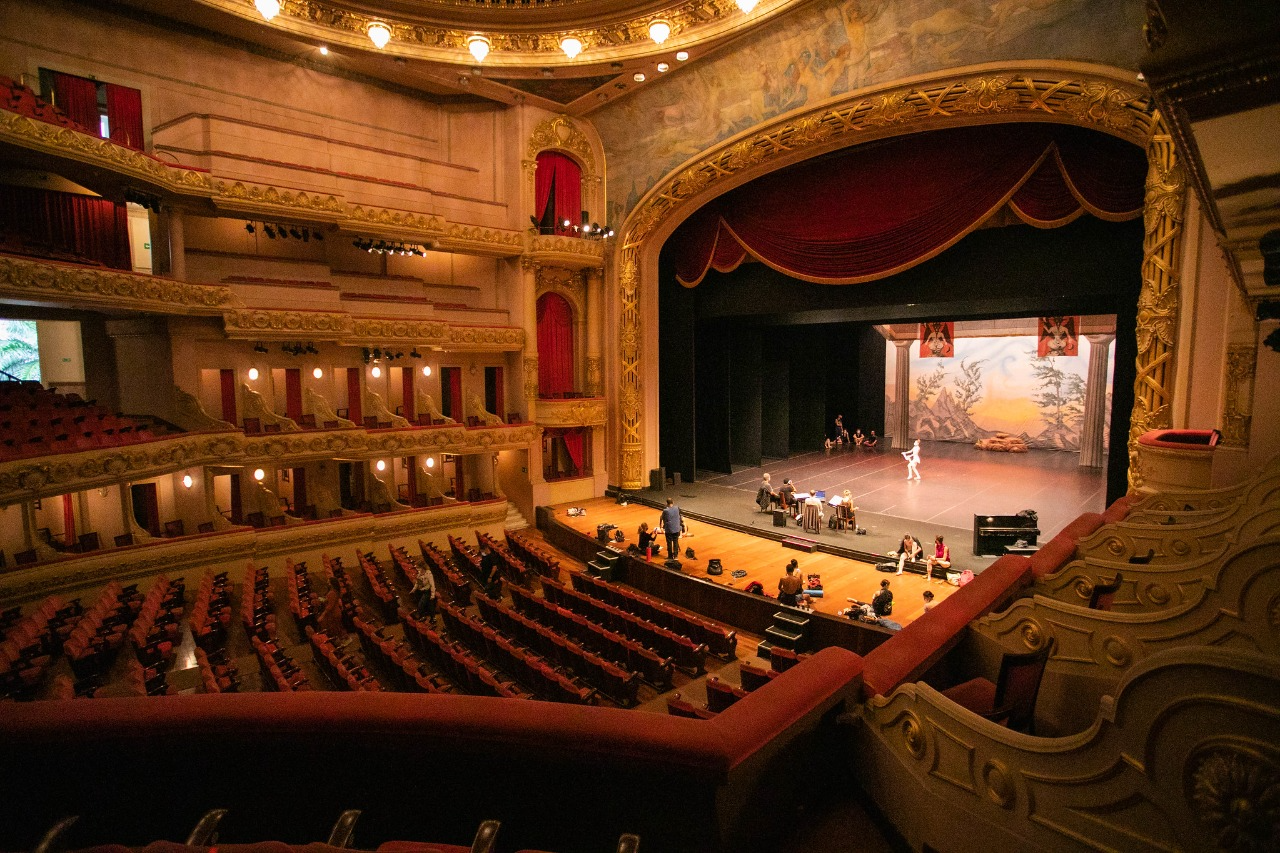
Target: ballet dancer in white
<point x="913" y="461"/>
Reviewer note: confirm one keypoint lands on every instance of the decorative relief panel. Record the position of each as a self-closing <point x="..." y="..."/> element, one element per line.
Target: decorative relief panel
<point x="23" y="279"/>
<point x="1237" y="407"/>
<point x="264" y="199"/>
<point x="486" y="338"/>
<point x="560" y="132"/>
<point x="364" y="329"/>
<point x="284" y="325"/>
<point x="571" y="413"/>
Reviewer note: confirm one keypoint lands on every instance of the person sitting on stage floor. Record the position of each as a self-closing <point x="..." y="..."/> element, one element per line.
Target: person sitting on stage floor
<point x="908" y="549"/>
<point x="928" y="600"/>
<point x="870" y="442"/>
<point x="882" y="603"/>
<point x="858" y="437"/>
<point x="805" y="602"/>
<point x="767" y="496"/>
<point x="864" y="612"/>
<point x="790" y="584"/>
<point x="941" y="557"/>
<point x="646" y="540"/>
<point x="786" y="494"/>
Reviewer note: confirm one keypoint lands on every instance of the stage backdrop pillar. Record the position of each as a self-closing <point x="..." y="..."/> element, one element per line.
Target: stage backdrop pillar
<point x="1093" y="429"/>
<point x="595" y="319"/>
<point x="902" y="395"/>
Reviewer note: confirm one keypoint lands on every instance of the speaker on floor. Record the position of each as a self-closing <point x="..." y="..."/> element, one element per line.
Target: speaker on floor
<point x="779" y="518"/>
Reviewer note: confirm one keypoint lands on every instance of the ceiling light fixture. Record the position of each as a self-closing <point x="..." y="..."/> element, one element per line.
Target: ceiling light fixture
<point x="659" y="30"/>
<point x="253" y="374"/>
<point x="187" y="481"/>
<point x="479" y="47"/>
<point x="426" y="370"/>
<point x="259" y="474"/>
<point x="380" y="33"/>
<point x="682" y="55"/>
<point x="746" y="5"/>
<point x="572" y="46"/>
<point x="324" y="51"/>
<point x="318" y="373"/>
<point x="268" y="8"/>
<point x="638" y="76"/>
<point x="663" y="68"/>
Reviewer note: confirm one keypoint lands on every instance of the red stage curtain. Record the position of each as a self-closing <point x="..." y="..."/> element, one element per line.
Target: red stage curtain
<point x="78" y="98"/>
<point x="56" y="223"/>
<point x="227" y="380"/>
<point x="555" y="345"/>
<point x="406" y="394"/>
<point x="574" y="444"/>
<point x="558" y="180"/>
<point x="293" y="393"/>
<point x="68" y="521"/>
<point x="124" y="115"/>
<point x="455" y="394"/>
<point x="880" y="208"/>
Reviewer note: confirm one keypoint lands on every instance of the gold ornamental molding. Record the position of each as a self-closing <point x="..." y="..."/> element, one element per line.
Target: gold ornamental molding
<point x="261" y="200"/>
<point x="1067" y="93"/>
<point x="572" y="413"/>
<point x="486" y="338"/>
<point x="49" y="281"/>
<point x="286" y="325"/>
<point x="574" y="253"/>
<point x="347" y="330"/>
<point x="25" y="479"/>
<point x="479" y="240"/>
<point x="58" y="141"/>
<point x="562" y="134"/>
<point x="396" y="329"/>
<point x="1237" y="407"/>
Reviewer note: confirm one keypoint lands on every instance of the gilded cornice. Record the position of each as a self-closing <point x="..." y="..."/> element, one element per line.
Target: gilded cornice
<point x="567" y="283"/>
<point x="59" y="141"/>
<point x="285" y="325"/>
<point x="398" y="329"/>
<point x="393" y="223"/>
<point x="24" y="479"/>
<point x="479" y="240"/>
<point x="23" y="279"/>
<point x="571" y="413"/>
<point x="349" y="330"/>
<point x="264" y="200"/>
<point x="561" y="133"/>
<point x="486" y="338"/>
<point x="573" y="253"/>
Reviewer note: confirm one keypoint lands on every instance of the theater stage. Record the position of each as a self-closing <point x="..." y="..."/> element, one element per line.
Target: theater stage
<point x="957" y="482"/>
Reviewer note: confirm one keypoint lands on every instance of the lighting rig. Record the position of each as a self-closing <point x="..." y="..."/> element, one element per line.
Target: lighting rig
<point x="274" y="229"/>
<point x="390" y="247"/>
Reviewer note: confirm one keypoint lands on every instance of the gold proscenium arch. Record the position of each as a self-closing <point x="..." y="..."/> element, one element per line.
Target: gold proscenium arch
<point x="1096" y="97"/>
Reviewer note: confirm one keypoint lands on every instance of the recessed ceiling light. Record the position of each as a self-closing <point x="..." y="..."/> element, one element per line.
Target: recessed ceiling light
<point x="547" y="72"/>
<point x="663" y="67"/>
<point x="682" y="55"/>
<point x="324" y="51"/>
<point x="638" y="76"/>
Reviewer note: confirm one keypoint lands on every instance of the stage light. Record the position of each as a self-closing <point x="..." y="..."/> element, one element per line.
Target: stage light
<point x="268" y="8"/>
<point x="187" y="481"/>
<point x="659" y="30"/>
<point x="479" y="47"/>
<point x="259" y="348"/>
<point x="253" y="374"/>
<point x="324" y="51"/>
<point x="248" y="226"/>
<point x="318" y="373"/>
<point x="259" y="474"/>
<point x="271" y="233"/>
<point x="380" y="33"/>
<point x="572" y="46"/>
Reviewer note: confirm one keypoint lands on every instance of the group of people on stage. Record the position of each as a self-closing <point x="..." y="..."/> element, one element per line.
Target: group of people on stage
<point x="859" y="441"/>
<point x="910" y="550"/>
<point x="785" y="497"/>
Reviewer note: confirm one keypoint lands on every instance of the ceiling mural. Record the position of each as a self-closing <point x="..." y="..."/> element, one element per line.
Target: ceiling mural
<point x="833" y="47"/>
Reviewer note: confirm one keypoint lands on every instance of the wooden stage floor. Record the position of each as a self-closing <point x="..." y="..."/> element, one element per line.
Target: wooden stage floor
<point x="763" y="560"/>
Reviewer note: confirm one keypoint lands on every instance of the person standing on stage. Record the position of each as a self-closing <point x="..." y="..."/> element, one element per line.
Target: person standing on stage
<point x="913" y="460"/>
<point x="672" y="525"/>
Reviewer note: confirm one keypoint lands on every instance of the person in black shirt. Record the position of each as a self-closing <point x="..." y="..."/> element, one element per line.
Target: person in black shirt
<point x="882" y="603"/>
<point x="488" y="565"/>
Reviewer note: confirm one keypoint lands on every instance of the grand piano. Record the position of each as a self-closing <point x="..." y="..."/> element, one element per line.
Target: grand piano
<point x="1000" y="534"/>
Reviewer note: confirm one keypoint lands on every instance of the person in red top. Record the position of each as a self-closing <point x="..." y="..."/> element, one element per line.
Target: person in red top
<point x="941" y="557"/>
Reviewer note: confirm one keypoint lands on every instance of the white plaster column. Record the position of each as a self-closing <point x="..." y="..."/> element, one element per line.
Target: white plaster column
<point x="902" y="394"/>
<point x="529" y="296"/>
<point x="177" y="246"/>
<point x="595" y="321"/>
<point x="1093" y="428"/>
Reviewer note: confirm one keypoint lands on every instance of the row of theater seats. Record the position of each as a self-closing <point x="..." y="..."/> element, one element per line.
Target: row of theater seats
<point x="17" y="98"/>
<point x="211" y="611"/>
<point x="30" y="643"/>
<point x="509" y="566"/>
<point x="257" y="602"/>
<point x="720" y="642"/>
<point x="100" y="633"/>
<point x="155" y="633"/>
<point x="36" y="421"/>
<point x="397" y="658"/>
<point x="463" y="669"/>
<point x="344" y="670"/>
<point x="449" y="581"/>
<point x="380" y="585"/>
<point x="339" y="582"/>
<point x="467" y="559"/>
<point x="304" y="603"/>
<point x="514" y="662"/>
<point x="279" y="671"/>
<point x="618" y="684"/>
<point x="544" y="561"/>
<point x="203" y="838"/>
<point x="651" y="666"/>
<point x="721" y="695"/>
<point x="218" y="674"/>
<point x="684" y="653"/>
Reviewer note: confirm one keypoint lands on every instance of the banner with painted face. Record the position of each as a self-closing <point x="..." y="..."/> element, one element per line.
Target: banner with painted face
<point x="937" y="340"/>
<point x="1058" y="336"/>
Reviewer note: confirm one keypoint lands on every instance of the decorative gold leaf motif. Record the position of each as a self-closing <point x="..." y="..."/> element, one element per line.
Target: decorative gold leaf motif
<point x="986" y="95"/>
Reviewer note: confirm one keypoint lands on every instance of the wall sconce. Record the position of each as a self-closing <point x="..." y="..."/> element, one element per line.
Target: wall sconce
<point x="379" y="33"/>
<point x="253" y="374"/>
<point x="382" y="465"/>
<point x="318" y="373"/>
<point x="431" y="462"/>
<point x="571" y="46"/>
<point x="187" y="481"/>
<point x="376" y="372"/>
<point x="259" y="474"/>
<point x="426" y="370"/>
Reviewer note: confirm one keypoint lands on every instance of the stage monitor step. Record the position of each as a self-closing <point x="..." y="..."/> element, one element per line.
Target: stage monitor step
<point x="806" y="545"/>
<point x="764" y="650"/>
<point x="788" y="639"/>
<point x="607" y="557"/>
<point x="791" y="621"/>
<point x="601" y="570"/>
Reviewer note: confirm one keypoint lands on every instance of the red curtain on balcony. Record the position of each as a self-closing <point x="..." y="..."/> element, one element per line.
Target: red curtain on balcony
<point x="88" y="228"/>
<point x="573" y="442"/>
<point x="880" y="208"/>
<point x="78" y="98"/>
<point x="557" y="182"/>
<point x="124" y="115"/>
<point x="555" y="345"/>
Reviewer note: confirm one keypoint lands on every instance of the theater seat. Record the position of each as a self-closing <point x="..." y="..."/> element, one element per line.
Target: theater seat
<point x="1011" y="700"/>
